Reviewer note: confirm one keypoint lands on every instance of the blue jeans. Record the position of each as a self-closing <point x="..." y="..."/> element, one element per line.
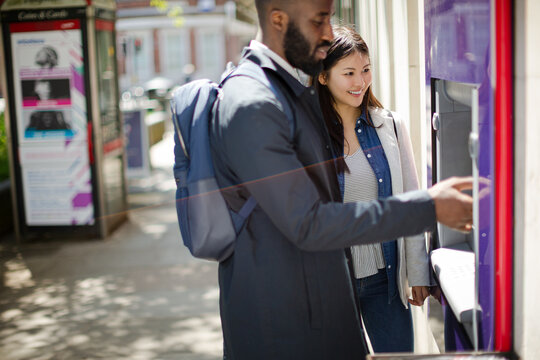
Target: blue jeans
<point x="388" y="324"/>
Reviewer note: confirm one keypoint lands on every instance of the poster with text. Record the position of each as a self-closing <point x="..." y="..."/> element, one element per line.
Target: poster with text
<point x="49" y="76"/>
<point x="48" y="71"/>
<point x="57" y="186"/>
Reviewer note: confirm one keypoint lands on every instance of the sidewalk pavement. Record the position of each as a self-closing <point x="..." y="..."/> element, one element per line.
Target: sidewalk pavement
<point x="136" y="295"/>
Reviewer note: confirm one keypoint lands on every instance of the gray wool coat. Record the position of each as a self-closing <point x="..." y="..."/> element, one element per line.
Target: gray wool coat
<point x="286" y="291"/>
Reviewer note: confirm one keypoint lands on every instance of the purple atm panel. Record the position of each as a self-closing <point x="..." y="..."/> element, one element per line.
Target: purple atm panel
<point x="458" y="35"/>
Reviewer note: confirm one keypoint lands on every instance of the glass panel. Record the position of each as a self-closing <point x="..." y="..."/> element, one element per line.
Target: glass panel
<point x="210" y="54"/>
<point x="111" y="135"/>
<point x="175" y="51"/>
<point x="114" y="185"/>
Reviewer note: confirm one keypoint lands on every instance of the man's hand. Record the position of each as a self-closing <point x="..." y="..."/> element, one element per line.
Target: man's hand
<point x="452" y="207"/>
<point x="419" y="294"/>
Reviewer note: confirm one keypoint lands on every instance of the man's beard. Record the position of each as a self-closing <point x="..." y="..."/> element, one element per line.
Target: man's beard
<point x="298" y="51"/>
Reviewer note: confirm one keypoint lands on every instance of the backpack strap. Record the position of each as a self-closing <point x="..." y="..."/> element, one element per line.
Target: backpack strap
<point x="251" y="70"/>
<point x="239" y="218"/>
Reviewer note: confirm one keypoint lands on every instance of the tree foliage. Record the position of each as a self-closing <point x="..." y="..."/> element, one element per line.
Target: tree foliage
<point x="174" y="12"/>
<point x="4" y="162"/>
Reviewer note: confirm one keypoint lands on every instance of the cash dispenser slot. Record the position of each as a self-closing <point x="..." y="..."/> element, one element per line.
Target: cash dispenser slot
<point x="455" y="260"/>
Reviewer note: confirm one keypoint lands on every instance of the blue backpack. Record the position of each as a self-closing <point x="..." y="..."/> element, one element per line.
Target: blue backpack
<point x="208" y="226"/>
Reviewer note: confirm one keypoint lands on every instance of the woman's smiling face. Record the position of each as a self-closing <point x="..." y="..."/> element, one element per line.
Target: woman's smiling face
<point x="348" y="80"/>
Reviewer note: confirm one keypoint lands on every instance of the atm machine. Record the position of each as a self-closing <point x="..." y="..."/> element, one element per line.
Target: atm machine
<point x="454" y="256"/>
<point x="471" y="135"/>
<point x="469" y="97"/>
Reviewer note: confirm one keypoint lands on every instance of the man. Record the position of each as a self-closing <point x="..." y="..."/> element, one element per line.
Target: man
<point x="286" y="291"/>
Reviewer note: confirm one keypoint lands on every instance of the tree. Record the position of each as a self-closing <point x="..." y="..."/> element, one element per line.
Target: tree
<point x="174" y="12"/>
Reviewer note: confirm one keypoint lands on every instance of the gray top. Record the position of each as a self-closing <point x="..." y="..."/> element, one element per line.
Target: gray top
<point x="361" y="185"/>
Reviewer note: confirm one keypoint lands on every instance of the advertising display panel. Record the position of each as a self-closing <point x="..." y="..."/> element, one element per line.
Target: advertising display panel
<point x="65" y="136"/>
<point x="136" y="132"/>
<point x="52" y="130"/>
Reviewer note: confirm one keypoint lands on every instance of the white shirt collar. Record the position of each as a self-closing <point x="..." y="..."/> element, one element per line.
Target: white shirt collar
<point x="299" y="75"/>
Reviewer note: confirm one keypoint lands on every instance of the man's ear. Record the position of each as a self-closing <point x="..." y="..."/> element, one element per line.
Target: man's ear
<point x="279" y="20"/>
<point x="323" y="78"/>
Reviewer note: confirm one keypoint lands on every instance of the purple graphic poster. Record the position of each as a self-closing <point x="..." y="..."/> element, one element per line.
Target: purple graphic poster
<point x="138" y="164"/>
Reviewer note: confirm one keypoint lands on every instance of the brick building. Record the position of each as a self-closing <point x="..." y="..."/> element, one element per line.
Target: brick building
<point x="151" y="44"/>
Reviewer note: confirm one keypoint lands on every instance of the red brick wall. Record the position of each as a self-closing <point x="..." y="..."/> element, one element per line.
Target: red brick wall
<point x="218" y="2"/>
<point x="193" y="48"/>
<point x="132" y="4"/>
<point x="157" y="63"/>
<point x="120" y="59"/>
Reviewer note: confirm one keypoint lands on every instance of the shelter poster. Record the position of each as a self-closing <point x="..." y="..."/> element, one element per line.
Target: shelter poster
<point x="52" y="122"/>
<point x="136" y="134"/>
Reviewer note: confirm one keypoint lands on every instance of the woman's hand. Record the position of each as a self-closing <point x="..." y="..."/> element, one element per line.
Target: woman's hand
<point x="419" y="294"/>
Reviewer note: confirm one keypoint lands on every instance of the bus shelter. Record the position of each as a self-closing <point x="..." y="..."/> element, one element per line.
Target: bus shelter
<point x="63" y="122"/>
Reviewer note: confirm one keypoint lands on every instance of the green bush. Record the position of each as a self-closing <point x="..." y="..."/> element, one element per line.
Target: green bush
<point x="4" y="162"/>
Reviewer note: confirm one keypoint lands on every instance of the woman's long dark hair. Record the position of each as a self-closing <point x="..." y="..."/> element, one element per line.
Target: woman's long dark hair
<point x="346" y="42"/>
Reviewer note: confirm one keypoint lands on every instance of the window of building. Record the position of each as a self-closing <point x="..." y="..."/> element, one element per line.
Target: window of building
<point x="210" y="53"/>
<point x="174" y="50"/>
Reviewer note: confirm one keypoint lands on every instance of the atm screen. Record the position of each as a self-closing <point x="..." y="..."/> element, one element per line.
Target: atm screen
<point x="452" y="123"/>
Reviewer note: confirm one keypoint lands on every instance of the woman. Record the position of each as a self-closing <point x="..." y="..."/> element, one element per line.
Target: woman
<point x="377" y="162"/>
<point x="42" y="89"/>
<point x="46" y="57"/>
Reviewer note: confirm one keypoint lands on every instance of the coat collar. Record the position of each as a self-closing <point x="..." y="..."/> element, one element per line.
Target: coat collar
<point x="295" y="72"/>
<point x="379" y="115"/>
<point x="260" y="58"/>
